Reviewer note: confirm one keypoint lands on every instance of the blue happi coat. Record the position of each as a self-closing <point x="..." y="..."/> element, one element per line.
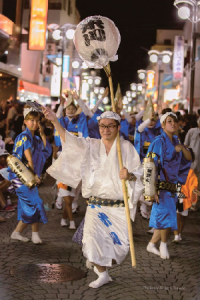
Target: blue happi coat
<point x="143" y="139"/>
<point x="174" y="168"/>
<point x="93" y="126"/>
<point x="77" y="126"/>
<point x="127" y="130"/>
<point x="30" y="206"/>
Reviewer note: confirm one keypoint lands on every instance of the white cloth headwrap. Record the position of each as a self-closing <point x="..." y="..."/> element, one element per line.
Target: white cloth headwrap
<point x="109" y="115"/>
<point x="27" y="110"/>
<point x="162" y="119"/>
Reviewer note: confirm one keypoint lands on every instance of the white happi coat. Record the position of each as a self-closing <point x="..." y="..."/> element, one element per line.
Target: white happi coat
<point x="105" y="230"/>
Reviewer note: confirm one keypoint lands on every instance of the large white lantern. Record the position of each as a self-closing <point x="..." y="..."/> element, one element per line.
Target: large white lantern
<point x="97" y="40"/>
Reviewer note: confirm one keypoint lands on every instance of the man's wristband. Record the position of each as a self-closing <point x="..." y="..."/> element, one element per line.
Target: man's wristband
<point x="132" y="177"/>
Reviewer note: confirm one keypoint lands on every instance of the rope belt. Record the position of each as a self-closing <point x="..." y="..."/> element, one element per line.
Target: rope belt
<point x="105" y="202"/>
<point x="165" y="185"/>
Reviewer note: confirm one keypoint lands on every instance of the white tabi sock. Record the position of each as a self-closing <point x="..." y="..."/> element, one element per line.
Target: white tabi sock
<point x="176" y="239"/>
<point x="35" y="238"/>
<point x="98" y="273"/>
<point x="63" y="222"/>
<point x="179" y="237"/>
<point x="72" y="225"/>
<point x="164" y="254"/>
<point x="152" y="248"/>
<point x="17" y="236"/>
<point x="103" y="279"/>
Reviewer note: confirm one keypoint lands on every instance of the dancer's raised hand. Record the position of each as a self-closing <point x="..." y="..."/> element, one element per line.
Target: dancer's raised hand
<point x="49" y="114"/>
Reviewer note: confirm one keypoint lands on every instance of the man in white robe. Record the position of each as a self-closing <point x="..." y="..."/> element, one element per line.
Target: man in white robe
<point x="95" y="162"/>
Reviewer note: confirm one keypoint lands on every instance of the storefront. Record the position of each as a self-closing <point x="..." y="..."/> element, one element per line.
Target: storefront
<point x="8" y="87"/>
<point x="30" y="91"/>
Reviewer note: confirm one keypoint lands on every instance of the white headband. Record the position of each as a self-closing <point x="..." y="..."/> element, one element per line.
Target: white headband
<point x="27" y="110"/>
<point x="162" y="119"/>
<point x="109" y="115"/>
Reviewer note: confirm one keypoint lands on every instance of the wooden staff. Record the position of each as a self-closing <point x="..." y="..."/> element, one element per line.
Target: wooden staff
<point x="130" y="231"/>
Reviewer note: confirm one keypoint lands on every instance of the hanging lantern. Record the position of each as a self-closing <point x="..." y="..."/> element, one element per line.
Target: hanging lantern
<point x="97" y="40"/>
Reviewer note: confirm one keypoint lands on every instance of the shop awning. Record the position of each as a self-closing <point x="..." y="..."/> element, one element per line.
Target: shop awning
<point x="34" y="88"/>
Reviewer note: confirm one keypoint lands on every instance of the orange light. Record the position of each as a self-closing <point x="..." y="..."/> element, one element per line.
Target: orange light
<point x="38" y="23"/>
<point x="150" y="79"/>
<point x="6" y="24"/>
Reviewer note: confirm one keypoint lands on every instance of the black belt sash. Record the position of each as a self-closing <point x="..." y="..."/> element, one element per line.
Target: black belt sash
<point x="105" y="202"/>
<point x="168" y="186"/>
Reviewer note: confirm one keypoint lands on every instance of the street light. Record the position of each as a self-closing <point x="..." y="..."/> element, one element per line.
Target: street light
<point x="63" y="32"/>
<point x="128" y="93"/>
<point x="133" y="86"/>
<point x="102" y="90"/>
<point x="190" y="9"/>
<point x="139" y="87"/>
<point x="159" y="58"/>
<point x="84" y="66"/>
<point x="97" y="80"/>
<point x="90" y="80"/>
<point x="136" y="89"/>
<point x="75" y="64"/>
<point x="142" y="74"/>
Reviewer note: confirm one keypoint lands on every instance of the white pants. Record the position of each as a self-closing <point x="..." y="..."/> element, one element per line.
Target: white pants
<point x="105" y="235"/>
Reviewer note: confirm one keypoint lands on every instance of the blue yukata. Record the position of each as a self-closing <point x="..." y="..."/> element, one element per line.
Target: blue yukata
<point x="77" y="126"/>
<point x="30" y="205"/>
<point x="174" y="168"/>
<point x="93" y="125"/>
<point x="143" y="139"/>
<point x="127" y="130"/>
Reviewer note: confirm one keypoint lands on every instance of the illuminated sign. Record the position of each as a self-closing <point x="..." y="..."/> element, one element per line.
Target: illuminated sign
<point x="6" y="24"/>
<point x="178" y="62"/>
<point x="38" y="23"/>
<point x="55" y="81"/>
<point x="150" y="79"/>
<point x="66" y="62"/>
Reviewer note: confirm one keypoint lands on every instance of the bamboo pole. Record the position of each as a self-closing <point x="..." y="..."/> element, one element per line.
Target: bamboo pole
<point x="130" y="230"/>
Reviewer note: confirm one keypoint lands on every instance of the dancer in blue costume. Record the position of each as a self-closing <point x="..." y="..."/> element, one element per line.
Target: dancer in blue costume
<point x="33" y="150"/>
<point x="91" y="114"/>
<point x="128" y="125"/>
<point x="173" y="160"/>
<point x="75" y="122"/>
<point x="145" y="134"/>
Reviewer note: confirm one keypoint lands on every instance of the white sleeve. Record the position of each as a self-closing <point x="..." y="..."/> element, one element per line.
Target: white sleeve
<point x="139" y="115"/>
<point x="135" y="188"/>
<point x="126" y="115"/>
<point x="59" y="112"/>
<point x="67" y="167"/>
<point x="143" y="125"/>
<point x="187" y="139"/>
<point x="85" y="108"/>
<point x="97" y="105"/>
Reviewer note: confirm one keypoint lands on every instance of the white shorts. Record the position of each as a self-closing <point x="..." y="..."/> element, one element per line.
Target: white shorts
<point x="183" y="213"/>
<point x="63" y="193"/>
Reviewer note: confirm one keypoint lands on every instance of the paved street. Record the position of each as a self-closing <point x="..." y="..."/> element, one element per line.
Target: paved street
<point x="154" y="278"/>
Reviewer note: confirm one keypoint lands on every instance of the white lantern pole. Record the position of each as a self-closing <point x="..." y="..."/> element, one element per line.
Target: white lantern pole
<point x="107" y="69"/>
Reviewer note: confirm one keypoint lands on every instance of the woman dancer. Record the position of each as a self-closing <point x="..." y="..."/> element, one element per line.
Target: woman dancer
<point x="31" y="149"/>
<point x="170" y="158"/>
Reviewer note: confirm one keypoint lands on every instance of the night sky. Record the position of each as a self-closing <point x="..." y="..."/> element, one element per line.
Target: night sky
<point x="137" y="21"/>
